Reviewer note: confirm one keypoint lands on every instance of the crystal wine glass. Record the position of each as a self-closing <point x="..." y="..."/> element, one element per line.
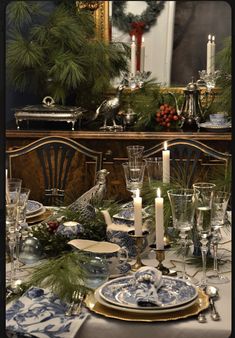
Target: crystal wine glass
<point x="182" y="202"/>
<point x="204" y="202"/>
<point x="134" y="176"/>
<point x="135" y="154"/>
<point x="219" y="208"/>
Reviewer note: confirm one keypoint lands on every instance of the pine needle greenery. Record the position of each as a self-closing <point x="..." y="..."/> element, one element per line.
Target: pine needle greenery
<point x="63" y="274"/>
<point x="55" y="52"/>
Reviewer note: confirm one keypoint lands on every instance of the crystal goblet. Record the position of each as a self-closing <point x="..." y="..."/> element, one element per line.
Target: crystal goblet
<point x="134" y="176"/>
<point x="182" y="202"/>
<point x="219" y="209"/>
<point x="204" y="200"/>
<point x="135" y="154"/>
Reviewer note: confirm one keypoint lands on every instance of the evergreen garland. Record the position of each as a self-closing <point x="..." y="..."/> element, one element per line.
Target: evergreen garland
<point x="56" y="53"/>
<point x="148" y="17"/>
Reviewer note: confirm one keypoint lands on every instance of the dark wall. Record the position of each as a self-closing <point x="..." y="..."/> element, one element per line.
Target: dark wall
<point x="194" y="21"/>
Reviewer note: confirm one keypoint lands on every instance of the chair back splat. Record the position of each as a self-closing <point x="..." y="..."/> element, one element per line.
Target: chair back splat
<point x="190" y="160"/>
<point x="55" y="167"/>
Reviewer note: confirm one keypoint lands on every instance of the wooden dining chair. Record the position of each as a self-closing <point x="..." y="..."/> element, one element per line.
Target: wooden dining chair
<point x="55" y="167"/>
<point x="191" y="160"/>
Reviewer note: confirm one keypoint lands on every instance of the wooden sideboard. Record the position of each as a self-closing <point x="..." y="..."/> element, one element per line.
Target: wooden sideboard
<point x="113" y="145"/>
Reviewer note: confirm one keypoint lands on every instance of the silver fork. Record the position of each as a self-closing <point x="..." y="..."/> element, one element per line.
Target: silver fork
<point x="78" y="308"/>
<point x="75" y="298"/>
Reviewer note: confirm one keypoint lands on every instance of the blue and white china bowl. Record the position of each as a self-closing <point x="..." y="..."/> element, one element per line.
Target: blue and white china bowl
<point x="173" y="292"/>
<point x="70" y="229"/>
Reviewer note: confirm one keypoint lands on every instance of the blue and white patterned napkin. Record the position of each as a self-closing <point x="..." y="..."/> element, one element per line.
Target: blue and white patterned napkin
<point x="148" y="281"/>
<point x="40" y="313"/>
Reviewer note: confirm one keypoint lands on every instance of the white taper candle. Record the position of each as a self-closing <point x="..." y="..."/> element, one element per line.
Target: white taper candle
<point x="213" y="54"/>
<point x="138" y="213"/>
<point x="165" y="164"/>
<point x="142" y="55"/>
<point x="133" y="56"/>
<point x="208" y="55"/>
<point x="159" y="221"/>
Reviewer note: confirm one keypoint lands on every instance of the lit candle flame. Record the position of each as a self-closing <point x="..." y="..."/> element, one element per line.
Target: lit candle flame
<point x="158" y="192"/>
<point x="137" y="193"/>
<point x="133" y="38"/>
<point x="142" y="39"/>
<point x="209" y="37"/>
<point x="165" y="145"/>
<point x="213" y="38"/>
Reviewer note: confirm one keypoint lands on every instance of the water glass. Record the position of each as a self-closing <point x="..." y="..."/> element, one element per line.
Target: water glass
<point x="204" y="202"/>
<point x="182" y="202"/>
<point x="134" y="175"/>
<point x="154" y="169"/>
<point x="135" y="154"/>
<point x="219" y="209"/>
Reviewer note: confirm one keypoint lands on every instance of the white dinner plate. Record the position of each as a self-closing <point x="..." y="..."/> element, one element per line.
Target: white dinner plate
<point x="173" y="292"/>
<point x="142" y="309"/>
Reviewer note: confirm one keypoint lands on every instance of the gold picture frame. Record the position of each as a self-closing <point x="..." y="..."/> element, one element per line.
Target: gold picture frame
<point x="100" y="12"/>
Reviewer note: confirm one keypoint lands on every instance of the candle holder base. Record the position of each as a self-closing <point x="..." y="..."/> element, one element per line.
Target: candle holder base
<point x="160" y="257"/>
<point x="139" y="239"/>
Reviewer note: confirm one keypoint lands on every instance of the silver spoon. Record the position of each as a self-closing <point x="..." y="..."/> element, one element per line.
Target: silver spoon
<point x="212" y="292"/>
<point x="201" y="318"/>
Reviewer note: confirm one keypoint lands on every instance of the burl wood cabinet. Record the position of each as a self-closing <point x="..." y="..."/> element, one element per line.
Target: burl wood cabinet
<point x="113" y="146"/>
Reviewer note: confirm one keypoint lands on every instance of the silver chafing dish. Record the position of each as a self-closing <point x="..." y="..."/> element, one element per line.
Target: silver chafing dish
<point x="49" y="111"/>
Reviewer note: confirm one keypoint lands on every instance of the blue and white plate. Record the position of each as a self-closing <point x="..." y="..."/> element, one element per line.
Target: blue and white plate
<point x="213" y="126"/>
<point x="174" y="292"/>
<point x="142" y="310"/>
<point x="33" y="208"/>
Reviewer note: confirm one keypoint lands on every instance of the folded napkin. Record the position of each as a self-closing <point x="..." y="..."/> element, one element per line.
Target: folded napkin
<point x="40" y="313"/>
<point x="148" y="281"/>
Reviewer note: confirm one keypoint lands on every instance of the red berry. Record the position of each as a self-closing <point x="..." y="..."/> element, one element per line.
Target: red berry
<point x="175" y="117"/>
<point x="158" y="114"/>
<point x="162" y="107"/>
<point x="168" y="124"/>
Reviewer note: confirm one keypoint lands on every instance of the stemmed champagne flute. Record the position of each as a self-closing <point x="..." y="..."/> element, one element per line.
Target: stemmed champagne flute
<point x="21" y="222"/>
<point x="13" y="187"/>
<point x="204" y="202"/>
<point x="219" y="208"/>
<point x="182" y="202"/>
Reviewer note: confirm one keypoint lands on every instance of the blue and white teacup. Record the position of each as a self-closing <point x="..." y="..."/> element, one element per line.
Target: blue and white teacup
<point x="218" y="118"/>
<point x="70" y="229"/>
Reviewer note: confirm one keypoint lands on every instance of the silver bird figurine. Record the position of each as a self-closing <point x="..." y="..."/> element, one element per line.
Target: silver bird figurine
<point x="97" y="192"/>
<point x="109" y="109"/>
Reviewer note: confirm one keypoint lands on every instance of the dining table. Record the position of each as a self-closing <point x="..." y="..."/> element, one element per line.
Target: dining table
<point x="100" y="326"/>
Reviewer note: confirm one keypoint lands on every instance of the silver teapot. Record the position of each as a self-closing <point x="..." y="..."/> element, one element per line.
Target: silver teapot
<point x="191" y="110"/>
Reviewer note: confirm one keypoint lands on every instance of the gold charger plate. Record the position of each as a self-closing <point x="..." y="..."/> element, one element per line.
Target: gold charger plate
<point x="39" y="218"/>
<point x="201" y="304"/>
